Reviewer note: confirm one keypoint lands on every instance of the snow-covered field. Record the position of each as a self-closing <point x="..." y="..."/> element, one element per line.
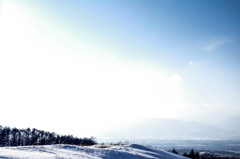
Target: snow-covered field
<point x="132" y="151"/>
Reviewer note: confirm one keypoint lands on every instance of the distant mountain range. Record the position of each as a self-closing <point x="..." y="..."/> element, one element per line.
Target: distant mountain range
<point x="161" y="128"/>
<point x="232" y="124"/>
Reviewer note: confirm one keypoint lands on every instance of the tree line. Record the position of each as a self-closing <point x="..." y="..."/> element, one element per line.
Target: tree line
<point x="25" y="137"/>
<point x="206" y="155"/>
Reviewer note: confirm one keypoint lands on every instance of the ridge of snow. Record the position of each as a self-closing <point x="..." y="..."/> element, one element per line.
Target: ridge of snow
<point x="132" y="151"/>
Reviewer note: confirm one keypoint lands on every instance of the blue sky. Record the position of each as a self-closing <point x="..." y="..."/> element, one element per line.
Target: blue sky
<point x="139" y="57"/>
<point x="168" y="33"/>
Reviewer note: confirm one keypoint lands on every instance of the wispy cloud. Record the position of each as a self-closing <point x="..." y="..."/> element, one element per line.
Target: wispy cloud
<point x="214" y="44"/>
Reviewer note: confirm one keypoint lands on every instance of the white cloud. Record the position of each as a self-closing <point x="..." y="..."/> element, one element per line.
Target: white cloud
<point x="214" y="44"/>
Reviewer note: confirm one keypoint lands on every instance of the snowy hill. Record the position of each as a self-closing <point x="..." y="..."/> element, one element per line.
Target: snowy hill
<point x="80" y="152"/>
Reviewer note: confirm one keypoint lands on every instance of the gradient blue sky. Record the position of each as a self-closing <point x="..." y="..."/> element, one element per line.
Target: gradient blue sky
<point x="127" y="57"/>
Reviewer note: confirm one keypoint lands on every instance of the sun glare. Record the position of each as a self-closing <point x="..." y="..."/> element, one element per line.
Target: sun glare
<point x="41" y="77"/>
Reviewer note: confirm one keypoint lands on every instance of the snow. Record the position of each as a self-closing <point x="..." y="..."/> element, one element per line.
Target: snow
<point x="132" y="151"/>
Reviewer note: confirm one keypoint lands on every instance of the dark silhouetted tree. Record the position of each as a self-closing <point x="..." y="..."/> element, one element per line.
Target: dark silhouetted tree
<point x="174" y="151"/>
<point x="192" y="154"/>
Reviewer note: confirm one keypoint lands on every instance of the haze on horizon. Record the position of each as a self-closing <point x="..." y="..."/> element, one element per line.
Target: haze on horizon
<point x="65" y="64"/>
